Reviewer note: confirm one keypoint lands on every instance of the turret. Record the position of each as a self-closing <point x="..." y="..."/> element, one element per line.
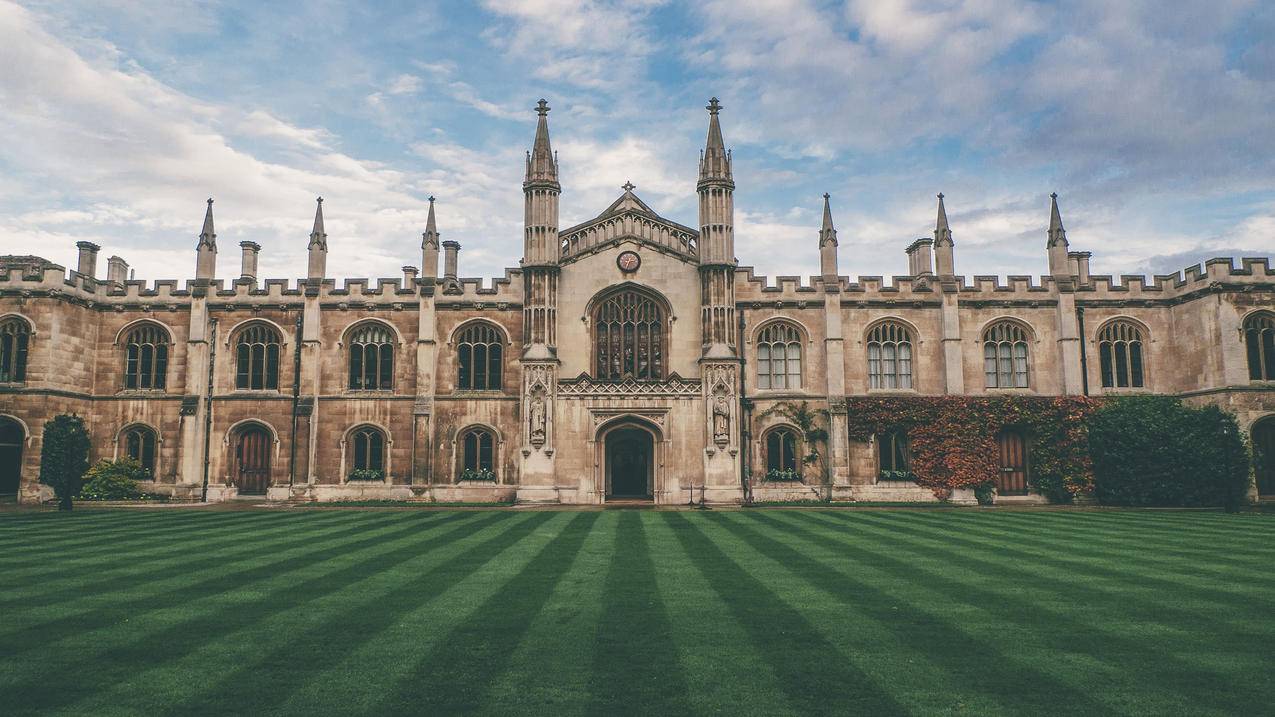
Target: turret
<point x="1057" y="242"/>
<point x="943" y="244"/>
<point x="318" y="247"/>
<point x="206" y="249"/>
<point x="429" y="245"/>
<point x="716" y="195"/>
<point x="540" y="190"/>
<point x="827" y="245"/>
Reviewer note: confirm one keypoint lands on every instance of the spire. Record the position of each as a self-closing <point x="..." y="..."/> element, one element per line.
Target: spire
<point x="208" y="237"/>
<point x="430" y="237"/>
<point x="317" y="236"/>
<point x="942" y="232"/>
<point x="715" y="162"/>
<point x="542" y="165"/>
<point x="1056" y="231"/>
<point x="827" y="233"/>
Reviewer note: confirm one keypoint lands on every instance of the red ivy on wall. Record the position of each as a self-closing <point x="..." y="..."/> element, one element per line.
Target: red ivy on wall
<point x="953" y="439"/>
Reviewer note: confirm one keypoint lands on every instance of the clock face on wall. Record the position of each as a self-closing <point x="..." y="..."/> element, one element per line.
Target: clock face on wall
<point x="628" y="261"/>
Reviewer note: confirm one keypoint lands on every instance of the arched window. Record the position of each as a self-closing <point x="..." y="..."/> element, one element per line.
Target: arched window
<point x="629" y="337"/>
<point x="1120" y="355"/>
<point x="146" y="357"/>
<point x="1259" y="339"/>
<point x="478" y="455"/>
<point x="257" y="358"/>
<point x="479" y="349"/>
<point x="367" y="445"/>
<point x="15" y="338"/>
<point x="139" y="444"/>
<point x="371" y="358"/>
<point x="779" y="356"/>
<point x="890" y="356"/>
<point x="1005" y="355"/>
<point x="894" y="459"/>
<point x="781" y="455"/>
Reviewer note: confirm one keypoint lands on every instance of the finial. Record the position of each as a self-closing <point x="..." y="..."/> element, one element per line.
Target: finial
<point x="628" y="186"/>
<point x="713" y="106"/>
<point x="826" y="196"/>
<point x="210" y="201"/>
<point x="431" y="199"/>
<point x="940" y="195"/>
<point x="542" y="107"/>
<point x="1053" y="195"/>
<point x="319" y="200"/>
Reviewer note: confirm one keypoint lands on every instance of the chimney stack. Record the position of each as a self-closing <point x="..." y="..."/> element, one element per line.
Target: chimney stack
<point x="450" y="251"/>
<point x="88" y="258"/>
<point x="1080" y="261"/>
<point x="248" y="265"/>
<point x="116" y="270"/>
<point x="409" y="277"/>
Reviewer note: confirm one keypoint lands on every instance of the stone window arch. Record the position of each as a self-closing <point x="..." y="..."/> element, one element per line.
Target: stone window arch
<point x="1005" y="355"/>
<point x="629" y="337"/>
<point x="480" y="357"/>
<point x="367" y="448"/>
<point x="141" y="443"/>
<point x="257" y="347"/>
<point x="477" y="453"/>
<point x="890" y="356"/>
<point x="371" y="357"/>
<point x="1120" y="352"/>
<point x="146" y="357"/>
<point x="1259" y="343"/>
<point x="15" y="343"/>
<point x="783" y="459"/>
<point x="779" y="356"/>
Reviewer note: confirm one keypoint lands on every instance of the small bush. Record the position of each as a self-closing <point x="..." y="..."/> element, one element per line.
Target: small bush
<point x="366" y="474"/>
<point x="114" y="480"/>
<point x="780" y="476"/>
<point x="1154" y="451"/>
<point x="482" y="474"/>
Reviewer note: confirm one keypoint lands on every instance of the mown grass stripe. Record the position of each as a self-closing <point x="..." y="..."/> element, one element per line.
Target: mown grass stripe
<point x="118" y="525"/>
<point x="704" y="632"/>
<point x="984" y="581"/>
<point x="814" y="676"/>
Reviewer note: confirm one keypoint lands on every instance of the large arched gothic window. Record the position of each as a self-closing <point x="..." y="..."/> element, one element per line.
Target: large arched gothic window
<point x="781" y="454"/>
<point x="629" y="337"/>
<point x="367" y="448"/>
<point x="1120" y="355"/>
<point x="478" y="454"/>
<point x="1005" y="355"/>
<point x="890" y="356"/>
<point x="257" y="358"/>
<point x="479" y="348"/>
<point x="1259" y="340"/>
<point x="371" y="358"/>
<point x="15" y="338"/>
<point x="779" y="356"/>
<point x="139" y="444"/>
<point x="146" y="357"/>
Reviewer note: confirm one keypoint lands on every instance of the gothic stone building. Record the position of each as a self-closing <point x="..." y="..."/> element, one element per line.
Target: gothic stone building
<point x="628" y="357"/>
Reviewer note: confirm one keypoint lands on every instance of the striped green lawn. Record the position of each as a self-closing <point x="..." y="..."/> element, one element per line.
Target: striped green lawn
<point x="766" y="612"/>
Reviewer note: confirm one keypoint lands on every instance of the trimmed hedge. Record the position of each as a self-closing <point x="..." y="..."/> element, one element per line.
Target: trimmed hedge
<point x="1155" y="451"/>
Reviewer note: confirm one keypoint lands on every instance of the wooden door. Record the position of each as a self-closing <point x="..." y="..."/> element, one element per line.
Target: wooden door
<point x="252" y="455"/>
<point x="1264" y="455"/>
<point x="1012" y="479"/>
<point x="12" y="438"/>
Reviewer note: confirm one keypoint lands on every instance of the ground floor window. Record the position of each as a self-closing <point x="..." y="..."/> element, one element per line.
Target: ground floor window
<point x="139" y="444"/>
<point x="368" y="454"/>
<point x="893" y="456"/>
<point x="478" y="448"/>
<point x="781" y="455"/>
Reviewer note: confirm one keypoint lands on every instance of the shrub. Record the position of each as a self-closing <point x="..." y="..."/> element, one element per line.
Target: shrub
<point x="365" y="474"/>
<point x="114" y="480"/>
<point x="1154" y="451"/>
<point x="64" y="456"/>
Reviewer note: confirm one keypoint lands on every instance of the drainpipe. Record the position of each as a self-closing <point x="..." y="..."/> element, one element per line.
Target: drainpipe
<point x="212" y="355"/>
<point x="746" y="414"/>
<point x="1084" y="359"/>
<point x="296" y="401"/>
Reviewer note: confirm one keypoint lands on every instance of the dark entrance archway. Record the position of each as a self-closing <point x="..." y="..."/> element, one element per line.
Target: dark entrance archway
<point x="12" y="439"/>
<point x="1264" y="455"/>
<point x="252" y="460"/>
<point x="630" y="457"/>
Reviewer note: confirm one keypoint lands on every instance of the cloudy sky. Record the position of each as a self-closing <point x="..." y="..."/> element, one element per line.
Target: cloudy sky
<point x="1152" y="120"/>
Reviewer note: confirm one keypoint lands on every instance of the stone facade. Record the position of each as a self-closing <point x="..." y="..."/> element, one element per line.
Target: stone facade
<point x="632" y="357"/>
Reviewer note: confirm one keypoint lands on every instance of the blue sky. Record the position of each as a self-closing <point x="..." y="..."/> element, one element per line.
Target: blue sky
<point x="1152" y="121"/>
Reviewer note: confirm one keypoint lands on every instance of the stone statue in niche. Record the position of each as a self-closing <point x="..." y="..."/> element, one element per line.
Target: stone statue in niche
<point x="721" y="419"/>
<point x="537" y="419"/>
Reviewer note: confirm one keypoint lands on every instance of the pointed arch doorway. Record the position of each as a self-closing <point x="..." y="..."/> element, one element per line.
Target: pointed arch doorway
<point x="252" y="459"/>
<point x="629" y="458"/>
